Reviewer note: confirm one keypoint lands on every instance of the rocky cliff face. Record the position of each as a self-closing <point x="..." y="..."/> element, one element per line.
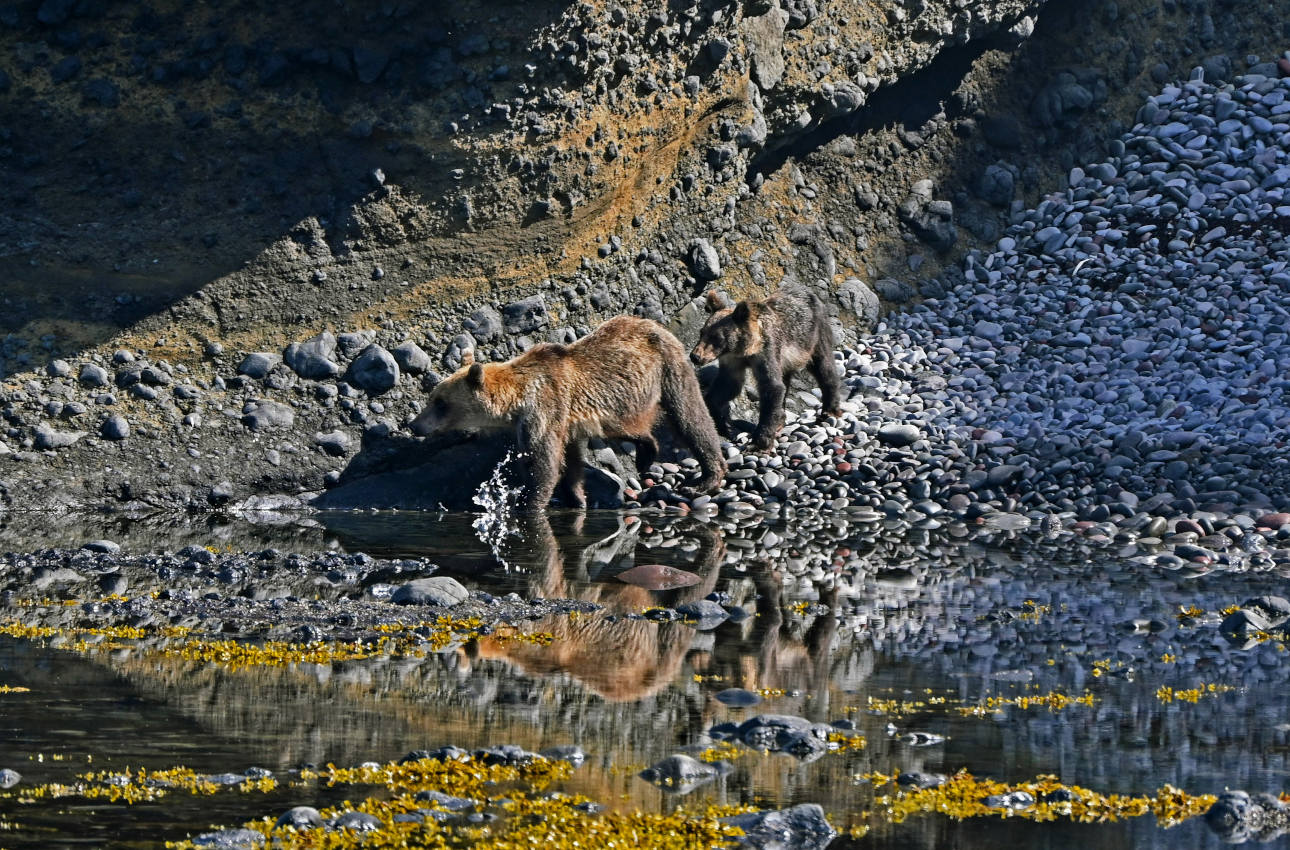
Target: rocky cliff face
<point x="396" y="183"/>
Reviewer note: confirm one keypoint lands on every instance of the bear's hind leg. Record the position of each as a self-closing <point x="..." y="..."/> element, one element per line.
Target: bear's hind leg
<point x="685" y="406"/>
<point x="826" y="375"/>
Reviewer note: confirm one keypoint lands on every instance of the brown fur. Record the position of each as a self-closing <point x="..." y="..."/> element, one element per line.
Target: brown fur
<point x="775" y="337"/>
<point x="615" y="383"/>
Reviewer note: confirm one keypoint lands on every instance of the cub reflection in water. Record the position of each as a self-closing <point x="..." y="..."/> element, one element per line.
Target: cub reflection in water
<point x="619" y="659"/>
<point x="770" y="652"/>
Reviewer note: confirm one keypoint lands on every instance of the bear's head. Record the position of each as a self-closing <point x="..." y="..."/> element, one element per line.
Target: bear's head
<point x="731" y="330"/>
<point x="457" y="403"/>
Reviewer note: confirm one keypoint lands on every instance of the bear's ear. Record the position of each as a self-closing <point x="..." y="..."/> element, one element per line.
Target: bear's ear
<point x="741" y="312"/>
<point x="475" y="376"/>
<point x="716" y="300"/>
<point x="468" y="357"/>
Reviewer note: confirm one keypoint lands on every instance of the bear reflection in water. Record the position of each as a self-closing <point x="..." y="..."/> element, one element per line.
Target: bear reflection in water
<point x="622" y="658"/>
<point x="619" y="658"/>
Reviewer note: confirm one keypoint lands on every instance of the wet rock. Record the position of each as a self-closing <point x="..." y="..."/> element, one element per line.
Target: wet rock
<point x="1238" y="817"/>
<point x="446" y="802"/>
<point x="106" y="547"/>
<point x="374" y="370"/>
<point x="266" y="415"/>
<point x="313" y="358"/>
<point x="356" y="822"/>
<point x="702" y="614"/>
<point x="679" y="774"/>
<point x="299" y="817"/>
<point x="738" y="697"/>
<point x="9" y="778"/>
<point x="802" y="827"/>
<point x="572" y="753"/>
<point x="58" y="369"/>
<point x="1012" y="800"/>
<point x="436" y="590"/>
<point x="506" y="754"/>
<point x="230" y="839"/>
<point x="919" y="779"/>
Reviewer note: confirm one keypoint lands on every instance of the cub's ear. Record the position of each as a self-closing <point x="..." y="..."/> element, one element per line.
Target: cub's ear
<point x="475" y="377"/>
<point x="468" y="357"/>
<point x="716" y="300"/>
<point x="741" y="312"/>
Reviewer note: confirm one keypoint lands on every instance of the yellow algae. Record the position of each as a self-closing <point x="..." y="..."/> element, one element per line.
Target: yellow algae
<point x="142" y="786"/>
<point x="722" y="751"/>
<point x="404" y="640"/>
<point x="1191" y="612"/>
<point x="14" y="689"/>
<point x="529" y="819"/>
<point x="1167" y="694"/>
<point x="963" y="796"/>
<point x="1053" y="701"/>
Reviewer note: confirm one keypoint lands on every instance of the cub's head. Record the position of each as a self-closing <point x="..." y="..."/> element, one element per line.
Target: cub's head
<point x="457" y="403"/>
<point x="731" y="329"/>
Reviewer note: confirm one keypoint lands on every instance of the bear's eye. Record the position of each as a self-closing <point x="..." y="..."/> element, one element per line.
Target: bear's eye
<point x="440" y="407"/>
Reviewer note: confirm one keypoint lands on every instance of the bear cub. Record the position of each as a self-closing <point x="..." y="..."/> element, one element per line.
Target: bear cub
<point x="616" y="382"/>
<point x="775" y="337"/>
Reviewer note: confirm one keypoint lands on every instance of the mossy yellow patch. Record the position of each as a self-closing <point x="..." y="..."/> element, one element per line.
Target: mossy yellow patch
<point x="964" y="795"/>
<point x="529" y="815"/>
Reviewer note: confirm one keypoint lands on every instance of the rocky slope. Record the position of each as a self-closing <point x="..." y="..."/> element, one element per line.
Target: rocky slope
<point x="390" y="186"/>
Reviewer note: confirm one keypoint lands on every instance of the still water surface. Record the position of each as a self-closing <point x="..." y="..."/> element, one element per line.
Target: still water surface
<point x="896" y="637"/>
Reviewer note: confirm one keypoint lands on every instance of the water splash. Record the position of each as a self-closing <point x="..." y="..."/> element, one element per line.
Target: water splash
<point x="500" y="502"/>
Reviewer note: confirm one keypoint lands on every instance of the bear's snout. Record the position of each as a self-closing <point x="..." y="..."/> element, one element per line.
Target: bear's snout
<point x="422" y="426"/>
<point x="698" y="357"/>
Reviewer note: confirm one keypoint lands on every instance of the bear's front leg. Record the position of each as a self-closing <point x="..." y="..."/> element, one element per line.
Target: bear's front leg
<point x="544" y="456"/>
<point x="771" y="389"/>
<point x="725" y="388"/>
<point x="572" y="491"/>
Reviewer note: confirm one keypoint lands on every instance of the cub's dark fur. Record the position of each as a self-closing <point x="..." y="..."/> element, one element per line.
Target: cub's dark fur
<point x="774" y="337"/>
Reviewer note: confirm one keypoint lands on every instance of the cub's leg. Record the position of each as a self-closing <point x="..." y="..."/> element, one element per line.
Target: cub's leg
<point x="727" y="386"/>
<point x="826" y="375"/>
<point x="770" y="419"/>
<point x="646" y="452"/>
<point x="573" y="476"/>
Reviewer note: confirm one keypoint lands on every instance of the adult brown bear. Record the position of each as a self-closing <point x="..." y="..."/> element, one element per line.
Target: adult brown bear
<point x="614" y="382"/>
<point x="774" y="337"/>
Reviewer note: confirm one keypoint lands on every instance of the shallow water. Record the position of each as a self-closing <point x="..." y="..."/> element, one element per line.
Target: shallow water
<point x="936" y="625"/>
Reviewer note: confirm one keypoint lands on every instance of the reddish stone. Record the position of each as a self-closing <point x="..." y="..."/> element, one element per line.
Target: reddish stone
<point x="1189" y="525"/>
<point x="844" y="466"/>
<point x="1273" y="521"/>
<point x="1283" y="66"/>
